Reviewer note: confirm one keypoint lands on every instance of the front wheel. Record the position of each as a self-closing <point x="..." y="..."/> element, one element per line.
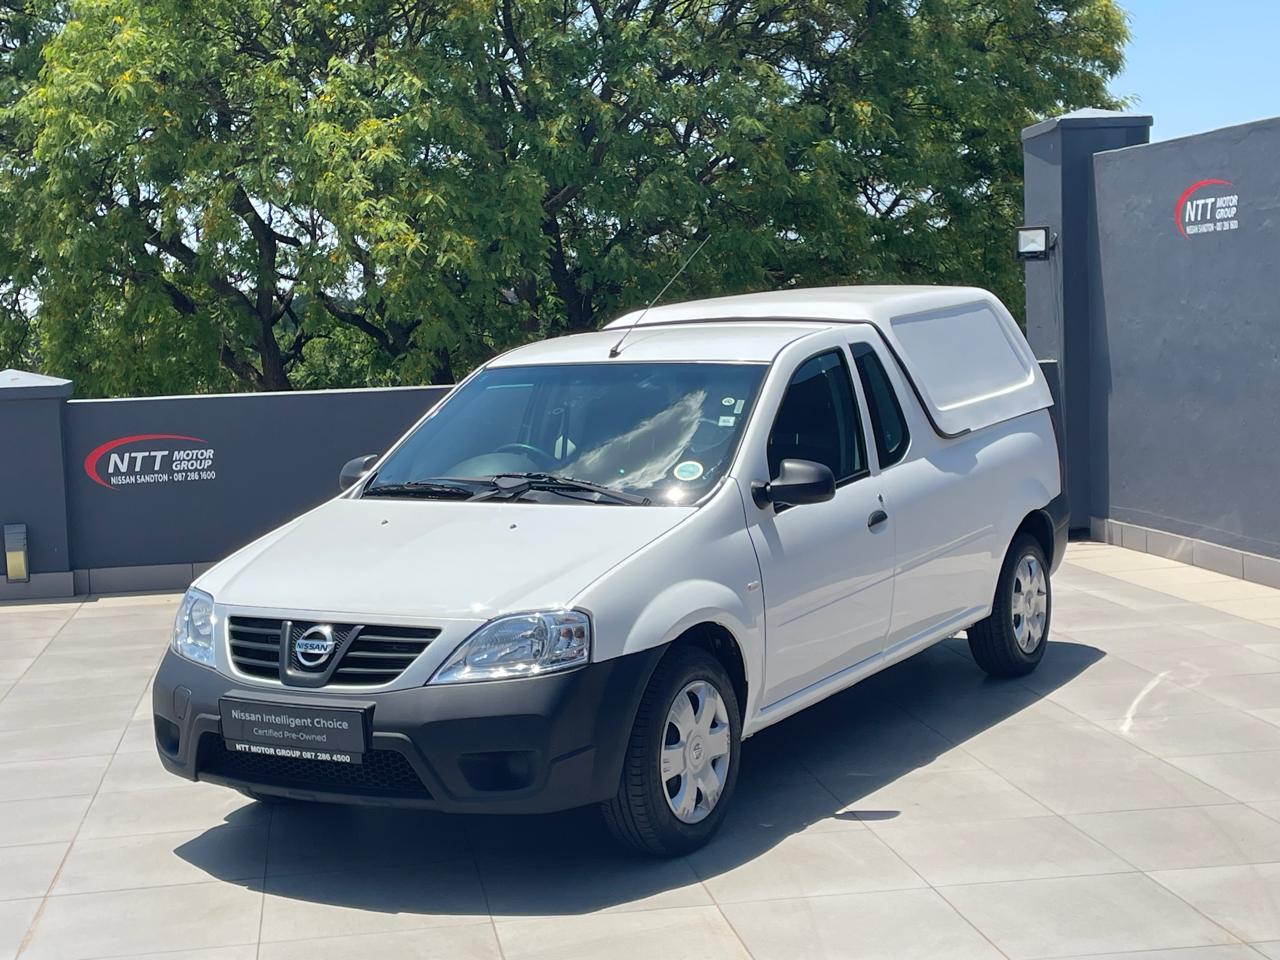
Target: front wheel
<point x="682" y="759"/>
<point x="1011" y="642"/>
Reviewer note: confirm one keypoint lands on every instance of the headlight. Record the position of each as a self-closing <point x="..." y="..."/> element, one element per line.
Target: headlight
<point x="524" y="645"/>
<point x="193" y="628"/>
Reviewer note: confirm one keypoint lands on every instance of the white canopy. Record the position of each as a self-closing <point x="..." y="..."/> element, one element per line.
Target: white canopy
<point x="960" y="347"/>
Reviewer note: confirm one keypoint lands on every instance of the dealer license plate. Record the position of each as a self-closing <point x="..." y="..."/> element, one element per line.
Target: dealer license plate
<point x="293" y="732"/>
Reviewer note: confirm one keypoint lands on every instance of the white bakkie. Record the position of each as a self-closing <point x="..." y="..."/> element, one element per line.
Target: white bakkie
<point x="604" y="560"/>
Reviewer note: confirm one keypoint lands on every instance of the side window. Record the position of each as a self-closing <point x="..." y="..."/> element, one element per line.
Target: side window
<point x="818" y="419"/>
<point x="887" y="421"/>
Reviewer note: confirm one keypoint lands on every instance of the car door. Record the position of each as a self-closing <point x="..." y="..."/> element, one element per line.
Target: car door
<point x="826" y="567"/>
<point x="943" y="544"/>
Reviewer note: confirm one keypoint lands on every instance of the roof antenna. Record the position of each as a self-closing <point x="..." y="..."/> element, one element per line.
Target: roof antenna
<point x="617" y="347"/>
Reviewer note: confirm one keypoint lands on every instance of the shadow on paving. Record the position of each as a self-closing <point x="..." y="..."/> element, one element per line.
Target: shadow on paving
<point x="805" y="774"/>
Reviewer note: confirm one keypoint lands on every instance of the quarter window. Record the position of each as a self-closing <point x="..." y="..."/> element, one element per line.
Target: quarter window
<point x="887" y="421"/>
<point x="818" y="419"/>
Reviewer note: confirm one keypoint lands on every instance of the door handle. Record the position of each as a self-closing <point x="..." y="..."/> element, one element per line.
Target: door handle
<point x="877" y="517"/>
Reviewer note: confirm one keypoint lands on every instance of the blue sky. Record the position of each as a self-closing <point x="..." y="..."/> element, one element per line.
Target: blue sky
<point x="1199" y="64"/>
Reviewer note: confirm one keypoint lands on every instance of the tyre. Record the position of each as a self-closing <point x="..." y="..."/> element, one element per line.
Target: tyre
<point x="1011" y="642"/>
<point x="681" y="763"/>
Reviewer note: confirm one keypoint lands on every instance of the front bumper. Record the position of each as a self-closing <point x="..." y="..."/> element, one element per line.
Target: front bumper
<point x="532" y="745"/>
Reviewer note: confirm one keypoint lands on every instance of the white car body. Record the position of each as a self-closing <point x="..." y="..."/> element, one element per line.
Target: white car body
<point x="813" y="598"/>
<point x="603" y="561"/>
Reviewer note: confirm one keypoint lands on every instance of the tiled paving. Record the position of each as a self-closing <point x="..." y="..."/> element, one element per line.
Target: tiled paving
<point x="1124" y="801"/>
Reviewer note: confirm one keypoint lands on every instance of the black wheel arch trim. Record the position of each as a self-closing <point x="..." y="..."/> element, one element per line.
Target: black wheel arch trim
<point x="1058" y="512"/>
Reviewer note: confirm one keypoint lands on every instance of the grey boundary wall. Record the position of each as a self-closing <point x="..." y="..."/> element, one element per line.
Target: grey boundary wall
<point x="1161" y="302"/>
<point x="144" y="494"/>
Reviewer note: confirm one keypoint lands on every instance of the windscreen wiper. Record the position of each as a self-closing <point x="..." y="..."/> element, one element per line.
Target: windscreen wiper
<point x="425" y="489"/>
<point x="512" y="485"/>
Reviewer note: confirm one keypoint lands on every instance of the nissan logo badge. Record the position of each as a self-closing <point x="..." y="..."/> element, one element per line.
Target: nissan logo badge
<point x="315" y="646"/>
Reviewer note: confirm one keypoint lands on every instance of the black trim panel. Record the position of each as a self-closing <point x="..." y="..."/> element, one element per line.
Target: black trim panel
<point x="1058" y="512"/>
<point x="532" y="745"/>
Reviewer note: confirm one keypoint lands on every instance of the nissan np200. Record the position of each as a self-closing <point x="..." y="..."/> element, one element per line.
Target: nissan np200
<point x="602" y="561"/>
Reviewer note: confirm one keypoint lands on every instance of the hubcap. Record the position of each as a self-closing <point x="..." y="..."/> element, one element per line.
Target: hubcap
<point x="1030" y="603"/>
<point x="695" y="751"/>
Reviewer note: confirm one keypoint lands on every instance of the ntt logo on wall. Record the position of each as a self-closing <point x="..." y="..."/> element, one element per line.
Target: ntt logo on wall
<point x="150" y="458"/>
<point x="1207" y="206"/>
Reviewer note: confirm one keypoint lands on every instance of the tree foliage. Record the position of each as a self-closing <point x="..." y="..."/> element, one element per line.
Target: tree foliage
<point x="268" y="194"/>
<point x="25" y="26"/>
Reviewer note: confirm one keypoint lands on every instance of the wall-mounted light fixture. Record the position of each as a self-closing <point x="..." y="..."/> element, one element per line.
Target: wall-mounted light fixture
<point x="16" y="567"/>
<point x="1034" y="243"/>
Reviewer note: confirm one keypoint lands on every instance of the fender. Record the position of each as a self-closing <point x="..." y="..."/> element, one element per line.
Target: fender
<point x="659" y="592"/>
<point x="1030" y="495"/>
<point x="684" y="605"/>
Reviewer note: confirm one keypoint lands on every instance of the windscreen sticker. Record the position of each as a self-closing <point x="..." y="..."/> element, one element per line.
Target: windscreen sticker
<point x="737" y="408"/>
<point x="728" y="421"/>
<point x="728" y="401"/>
<point x="688" y="470"/>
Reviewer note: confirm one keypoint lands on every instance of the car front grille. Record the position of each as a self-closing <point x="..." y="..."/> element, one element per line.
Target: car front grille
<point x="255" y="646"/>
<point x="380" y="654"/>
<point x="367" y="655"/>
<point x="384" y="773"/>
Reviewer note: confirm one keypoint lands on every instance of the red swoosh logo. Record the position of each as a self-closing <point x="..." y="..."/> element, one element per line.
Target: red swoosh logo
<point x="97" y="453"/>
<point x="1186" y="194"/>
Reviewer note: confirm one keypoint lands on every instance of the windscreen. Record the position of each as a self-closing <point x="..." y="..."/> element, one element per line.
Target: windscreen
<point x="667" y="431"/>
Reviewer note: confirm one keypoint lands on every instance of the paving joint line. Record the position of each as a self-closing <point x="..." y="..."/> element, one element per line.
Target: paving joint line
<point x="34" y="925"/>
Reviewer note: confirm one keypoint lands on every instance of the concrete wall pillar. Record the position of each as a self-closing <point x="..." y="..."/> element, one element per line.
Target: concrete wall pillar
<point x="33" y="480"/>
<point x="1058" y="172"/>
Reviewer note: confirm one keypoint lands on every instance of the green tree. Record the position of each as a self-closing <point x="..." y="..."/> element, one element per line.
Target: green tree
<point x="273" y="193"/>
<point x="25" y="26"/>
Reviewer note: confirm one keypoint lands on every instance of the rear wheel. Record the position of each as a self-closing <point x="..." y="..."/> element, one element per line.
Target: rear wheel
<point x="682" y="759"/>
<point x="1011" y="642"/>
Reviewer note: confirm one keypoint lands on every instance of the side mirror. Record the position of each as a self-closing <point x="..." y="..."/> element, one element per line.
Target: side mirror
<point x="356" y="470"/>
<point x="798" y="482"/>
